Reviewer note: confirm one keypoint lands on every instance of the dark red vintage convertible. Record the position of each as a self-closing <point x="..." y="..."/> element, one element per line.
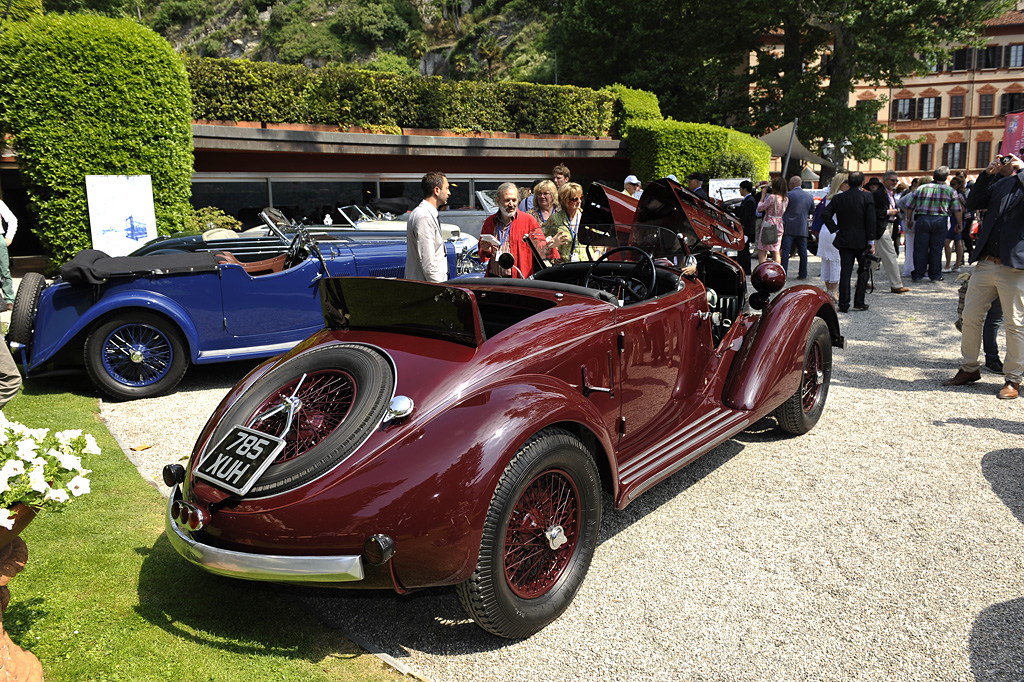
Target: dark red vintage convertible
<point x="463" y="433"/>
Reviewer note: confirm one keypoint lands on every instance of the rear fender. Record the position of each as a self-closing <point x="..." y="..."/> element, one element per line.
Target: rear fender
<point x="768" y="369"/>
<point x="480" y="434"/>
<point x="65" y="313"/>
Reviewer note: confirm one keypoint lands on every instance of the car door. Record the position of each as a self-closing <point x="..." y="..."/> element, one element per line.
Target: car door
<point x="666" y="345"/>
<point x="273" y="308"/>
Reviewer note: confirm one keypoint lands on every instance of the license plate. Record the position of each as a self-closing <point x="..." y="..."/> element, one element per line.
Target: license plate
<point x="239" y="459"/>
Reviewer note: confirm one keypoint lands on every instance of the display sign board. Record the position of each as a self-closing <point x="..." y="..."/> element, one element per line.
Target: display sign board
<point x="121" y="215"/>
<point x="723" y="189"/>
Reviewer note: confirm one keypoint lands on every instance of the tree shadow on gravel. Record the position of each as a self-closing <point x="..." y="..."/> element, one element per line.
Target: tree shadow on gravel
<point x="1002" y="425"/>
<point x="997" y="637"/>
<point x="434" y="622"/>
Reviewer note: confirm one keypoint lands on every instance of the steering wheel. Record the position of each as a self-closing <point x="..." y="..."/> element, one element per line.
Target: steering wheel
<point x="630" y="288"/>
<point x="295" y="254"/>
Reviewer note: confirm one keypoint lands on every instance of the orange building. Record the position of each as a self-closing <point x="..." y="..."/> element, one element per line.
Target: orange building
<point x="956" y="114"/>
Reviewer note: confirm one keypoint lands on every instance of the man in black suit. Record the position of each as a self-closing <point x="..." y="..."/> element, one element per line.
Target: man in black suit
<point x="999" y="254"/>
<point x="850" y="216"/>
<point x="747" y="215"/>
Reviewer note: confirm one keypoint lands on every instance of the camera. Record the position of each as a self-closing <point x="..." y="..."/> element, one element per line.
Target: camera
<point x="1005" y="159"/>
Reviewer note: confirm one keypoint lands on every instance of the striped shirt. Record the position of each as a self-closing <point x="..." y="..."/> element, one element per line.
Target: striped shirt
<point x="933" y="198"/>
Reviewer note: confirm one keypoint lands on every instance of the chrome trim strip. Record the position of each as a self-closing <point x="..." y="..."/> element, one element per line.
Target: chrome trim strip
<point x="686" y="460"/>
<point x="272" y="348"/>
<point x="276" y="568"/>
<point x="693" y="430"/>
<point x="717" y="438"/>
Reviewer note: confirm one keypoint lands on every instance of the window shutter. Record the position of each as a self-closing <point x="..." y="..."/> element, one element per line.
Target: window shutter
<point x="997" y="60"/>
<point x="938" y="107"/>
<point x="1006" y="57"/>
<point x="1003" y="103"/>
<point x="917" y="108"/>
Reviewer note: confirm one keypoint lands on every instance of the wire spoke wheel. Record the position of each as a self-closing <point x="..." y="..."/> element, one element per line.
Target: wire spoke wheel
<point x="542" y="534"/>
<point x="814" y="374"/>
<point x="137" y="354"/>
<point x="801" y="411"/>
<point x="326" y="398"/>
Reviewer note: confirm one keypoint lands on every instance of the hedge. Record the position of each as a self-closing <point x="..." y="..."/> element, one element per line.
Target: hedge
<point x="87" y="95"/>
<point x="633" y="106"/>
<point x="661" y="148"/>
<point x="241" y="90"/>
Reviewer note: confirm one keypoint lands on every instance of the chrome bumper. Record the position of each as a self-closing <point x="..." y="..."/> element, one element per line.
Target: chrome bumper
<point x="271" y="567"/>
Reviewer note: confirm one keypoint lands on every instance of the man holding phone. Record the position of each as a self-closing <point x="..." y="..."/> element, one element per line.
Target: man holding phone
<point x="999" y="255"/>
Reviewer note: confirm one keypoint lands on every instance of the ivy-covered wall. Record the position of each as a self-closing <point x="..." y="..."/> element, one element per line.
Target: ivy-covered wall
<point x="660" y="148"/>
<point x="86" y="95"/>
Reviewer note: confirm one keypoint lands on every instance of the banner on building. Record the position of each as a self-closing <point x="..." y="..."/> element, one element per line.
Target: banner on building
<point x="1013" y="136"/>
<point x="121" y="215"/>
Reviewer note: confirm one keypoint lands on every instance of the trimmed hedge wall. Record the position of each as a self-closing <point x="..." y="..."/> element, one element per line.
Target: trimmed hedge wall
<point x="660" y="148"/>
<point x="633" y="106"/>
<point x="86" y="95"/>
<point x="240" y="90"/>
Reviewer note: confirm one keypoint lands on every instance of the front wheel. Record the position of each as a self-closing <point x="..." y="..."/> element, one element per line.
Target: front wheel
<point x="137" y="355"/>
<point x="539" y="537"/>
<point x="803" y="409"/>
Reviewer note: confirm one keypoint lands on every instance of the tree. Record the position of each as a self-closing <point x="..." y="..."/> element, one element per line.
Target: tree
<point x="828" y="47"/>
<point x="490" y="52"/>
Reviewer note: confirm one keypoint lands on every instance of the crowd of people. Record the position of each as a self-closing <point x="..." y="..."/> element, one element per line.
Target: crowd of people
<point x="857" y="223"/>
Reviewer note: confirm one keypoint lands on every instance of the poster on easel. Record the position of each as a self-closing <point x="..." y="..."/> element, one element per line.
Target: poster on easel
<point x="121" y="214"/>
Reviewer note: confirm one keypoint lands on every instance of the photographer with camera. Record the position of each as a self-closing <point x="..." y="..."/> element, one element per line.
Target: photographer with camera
<point x="999" y="272"/>
<point x="850" y="216"/>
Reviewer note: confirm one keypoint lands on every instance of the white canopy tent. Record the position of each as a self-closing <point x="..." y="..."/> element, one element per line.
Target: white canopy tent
<point x="784" y="143"/>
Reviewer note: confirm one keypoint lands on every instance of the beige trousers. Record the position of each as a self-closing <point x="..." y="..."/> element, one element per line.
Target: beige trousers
<point x="987" y="281"/>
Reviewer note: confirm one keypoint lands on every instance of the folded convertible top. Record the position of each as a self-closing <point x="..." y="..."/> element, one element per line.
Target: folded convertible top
<point x="90" y="267"/>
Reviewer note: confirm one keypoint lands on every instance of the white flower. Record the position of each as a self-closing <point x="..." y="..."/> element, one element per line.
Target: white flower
<point x="91" y="446"/>
<point x="37" y="479"/>
<point x="79" y="485"/>
<point x="65" y="437"/>
<point x="57" y="495"/>
<point x="12" y="467"/>
<point x="6" y="520"/>
<point x="27" y="448"/>
<point x="67" y="462"/>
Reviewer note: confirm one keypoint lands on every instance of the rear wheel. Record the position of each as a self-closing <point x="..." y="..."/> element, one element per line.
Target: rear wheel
<point x="346" y="389"/>
<point x="539" y="537"/>
<point x="23" y="316"/>
<point x="803" y="409"/>
<point x="136" y="355"/>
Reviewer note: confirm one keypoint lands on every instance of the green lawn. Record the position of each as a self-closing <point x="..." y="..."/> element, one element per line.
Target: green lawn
<point x="105" y="597"/>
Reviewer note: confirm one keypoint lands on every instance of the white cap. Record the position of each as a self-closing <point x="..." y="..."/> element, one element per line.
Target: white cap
<point x="631" y="180"/>
<point x="672" y="178"/>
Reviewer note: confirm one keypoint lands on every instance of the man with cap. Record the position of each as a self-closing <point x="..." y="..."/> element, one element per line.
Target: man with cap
<point x="695" y="181"/>
<point x="888" y="218"/>
<point x="631" y="186"/>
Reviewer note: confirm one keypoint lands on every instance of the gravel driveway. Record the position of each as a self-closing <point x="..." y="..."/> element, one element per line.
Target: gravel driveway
<point x="888" y="543"/>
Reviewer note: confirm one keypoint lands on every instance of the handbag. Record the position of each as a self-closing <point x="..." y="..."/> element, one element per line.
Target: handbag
<point x="769" y="233"/>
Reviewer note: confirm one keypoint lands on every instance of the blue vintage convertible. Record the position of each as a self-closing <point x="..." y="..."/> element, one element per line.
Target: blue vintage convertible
<point x="137" y="322"/>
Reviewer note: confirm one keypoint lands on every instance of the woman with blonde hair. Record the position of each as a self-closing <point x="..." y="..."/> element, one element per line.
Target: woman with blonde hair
<point x="545" y="200"/>
<point x="827" y="251"/>
<point x="773" y="204"/>
<point x="562" y="227"/>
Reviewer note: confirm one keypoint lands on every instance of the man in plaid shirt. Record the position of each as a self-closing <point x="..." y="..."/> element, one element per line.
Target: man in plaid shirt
<point x="932" y="204"/>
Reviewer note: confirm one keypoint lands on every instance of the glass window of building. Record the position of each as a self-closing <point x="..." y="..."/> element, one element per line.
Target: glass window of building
<point x="929" y="107"/>
<point x="956" y="106"/>
<point x="961" y="59"/>
<point x="243" y="199"/>
<point x="904" y="109"/>
<point x="990" y="57"/>
<point x="954" y="154"/>
<point x="312" y="200"/>
<point x="927" y="154"/>
<point x="902" y="156"/>
<point x="984" y="154"/>
<point x="986" y="105"/>
<point x="1011" y="103"/>
<point x="1015" y="56"/>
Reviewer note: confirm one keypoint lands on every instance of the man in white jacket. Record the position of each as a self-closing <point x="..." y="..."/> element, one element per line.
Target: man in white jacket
<point x="425" y="255"/>
<point x="9" y="226"/>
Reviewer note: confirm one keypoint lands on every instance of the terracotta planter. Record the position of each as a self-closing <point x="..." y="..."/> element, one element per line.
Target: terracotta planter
<point x="16" y="664"/>
<point x="23" y="515"/>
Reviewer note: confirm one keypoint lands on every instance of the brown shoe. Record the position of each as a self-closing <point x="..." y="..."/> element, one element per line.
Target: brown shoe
<point x="1009" y="391"/>
<point x="963" y="378"/>
<point x="900" y="290"/>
